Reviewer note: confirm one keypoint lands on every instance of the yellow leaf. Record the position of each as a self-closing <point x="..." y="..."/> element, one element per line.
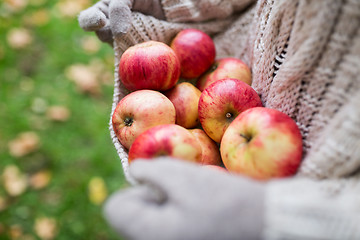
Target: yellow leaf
<point x="15" y="232"/>
<point x="84" y="77"/>
<point x="38" y="18"/>
<point x="70" y="8"/>
<point x="37" y="2"/>
<point x="16" y="5"/>
<point x="3" y="204"/>
<point x="14" y="180"/>
<point x="19" y="38"/>
<point x="90" y="44"/>
<point x="24" y="144"/>
<point x="40" y="179"/>
<point x="45" y="228"/>
<point x="58" y="113"/>
<point x="97" y="190"/>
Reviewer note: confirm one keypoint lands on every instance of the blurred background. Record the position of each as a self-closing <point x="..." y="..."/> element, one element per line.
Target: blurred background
<point x="57" y="161"/>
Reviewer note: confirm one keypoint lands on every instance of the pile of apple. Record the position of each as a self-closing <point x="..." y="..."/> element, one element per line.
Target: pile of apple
<point x="186" y="104"/>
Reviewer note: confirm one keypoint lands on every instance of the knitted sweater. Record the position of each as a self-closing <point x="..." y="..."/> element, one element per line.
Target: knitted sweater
<point x="305" y="62"/>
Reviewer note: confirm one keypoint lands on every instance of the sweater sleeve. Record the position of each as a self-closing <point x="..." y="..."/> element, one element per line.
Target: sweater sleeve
<point x="308" y="209"/>
<point x="202" y="10"/>
<point x="323" y="200"/>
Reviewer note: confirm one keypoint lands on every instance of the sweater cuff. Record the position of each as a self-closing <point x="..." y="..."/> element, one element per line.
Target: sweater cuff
<point x="306" y="209"/>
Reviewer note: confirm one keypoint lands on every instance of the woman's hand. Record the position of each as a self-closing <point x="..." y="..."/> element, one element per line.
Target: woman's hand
<point x="175" y="199"/>
<point x="109" y="18"/>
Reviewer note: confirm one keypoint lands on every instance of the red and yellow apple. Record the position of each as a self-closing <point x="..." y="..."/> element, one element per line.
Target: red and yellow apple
<point x="195" y="50"/>
<point x="210" y="150"/>
<point x="166" y="140"/>
<point x="149" y="65"/>
<point x="221" y="102"/>
<point x="139" y="111"/>
<point x="262" y="143"/>
<point x="185" y="98"/>
<point x="225" y="68"/>
<point x="216" y="168"/>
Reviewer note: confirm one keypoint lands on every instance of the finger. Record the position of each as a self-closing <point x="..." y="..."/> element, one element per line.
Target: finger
<point x="92" y="19"/>
<point x="120" y="16"/>
<point x="134" y="214"/>
<point x="105" y="35"/>
<point x="104" y="7"/>
<point x="152" y="8"/>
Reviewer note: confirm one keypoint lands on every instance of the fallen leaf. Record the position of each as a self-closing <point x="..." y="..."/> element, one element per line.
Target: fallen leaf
<point x="37" y="2"/>
<point x="58" y="113"/>
<point x="24" y="144"/>
<point x="3" y="204"/>
<point x="16" y="5"/>
<point x="84" y="77"/>
<point x="14" y="180"/>
<point x="40" y="179"/>
<point x="97" y="190"/>
<point x="19" y="38"/>
<point x="38" y="18"/>
<point x="101" y="70"/>
<point x="15" y="231"/>
<point x="45" y="228"/>
<point x="70" y="8"/>
<point x="90" y="44"/>
<point x="107" y="78"/>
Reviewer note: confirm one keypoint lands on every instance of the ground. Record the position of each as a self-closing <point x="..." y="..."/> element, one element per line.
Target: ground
<point x="57" y="161"/>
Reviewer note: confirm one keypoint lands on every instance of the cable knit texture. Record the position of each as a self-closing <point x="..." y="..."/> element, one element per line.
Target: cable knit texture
<point x="305" y="61"/>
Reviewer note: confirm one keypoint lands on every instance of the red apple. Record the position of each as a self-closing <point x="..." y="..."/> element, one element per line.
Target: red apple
<point x="149" y="65"/>
<point x="216" y="168"/>
<point x="262" y="143"/>
<point x="166" y="140"/>
<point x="225" y="68"/>
<point x="139" y="111"/>
<point x="195" y="50"/>
<point x="185" y="98"/>
<point x="210" y="150"/>
<point x="222" y="102"/>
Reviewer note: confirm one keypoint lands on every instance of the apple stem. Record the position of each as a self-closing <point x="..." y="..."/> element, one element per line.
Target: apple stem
<point x="213" y="67"/>
<point x="247" y="138"/>
<point x="128" y="121"/>
<point x="228" y="115"/>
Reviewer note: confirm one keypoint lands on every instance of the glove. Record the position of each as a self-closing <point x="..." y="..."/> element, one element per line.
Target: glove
<point x="175" y="199"/>
<point x="110" y="18"/>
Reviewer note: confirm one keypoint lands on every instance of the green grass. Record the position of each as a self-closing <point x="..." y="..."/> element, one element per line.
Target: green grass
<point x="33" y="78"/>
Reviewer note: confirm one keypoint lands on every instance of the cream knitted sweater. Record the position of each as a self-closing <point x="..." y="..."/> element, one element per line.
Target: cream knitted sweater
<point x="305" y="61"/>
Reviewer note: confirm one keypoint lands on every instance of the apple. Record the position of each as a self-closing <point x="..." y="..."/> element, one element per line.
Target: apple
<point x="216" y="168"/>
<point x="139" y="111"/>
<point x="225" y="68"/>
<point x="262" y="143"/>
<point x="149" y="65"/>
<point x="195" y="50"/>
<point x="185" y="98"/>
<point x="166" y="140"/>
<point x="210" y="150"/>
<point x="221" y="102"/>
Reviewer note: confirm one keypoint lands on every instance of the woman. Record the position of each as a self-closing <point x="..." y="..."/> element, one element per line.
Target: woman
<point x="305" y="62"/>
